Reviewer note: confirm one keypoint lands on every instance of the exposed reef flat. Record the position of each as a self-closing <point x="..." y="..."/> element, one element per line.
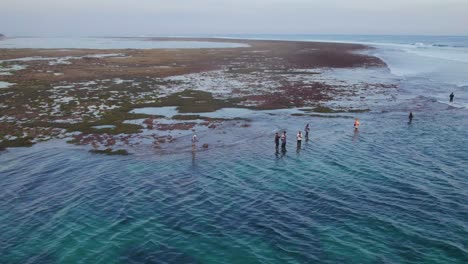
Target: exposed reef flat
<point x="88" y="95"/>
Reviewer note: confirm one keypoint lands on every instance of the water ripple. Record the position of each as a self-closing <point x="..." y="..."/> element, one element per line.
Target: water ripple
<point x="378" y="196"/>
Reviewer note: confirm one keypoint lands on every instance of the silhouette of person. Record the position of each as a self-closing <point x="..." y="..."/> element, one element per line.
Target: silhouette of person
<point x="277" y="140"/>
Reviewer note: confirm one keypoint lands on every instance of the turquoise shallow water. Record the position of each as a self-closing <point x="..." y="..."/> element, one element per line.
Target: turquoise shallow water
<point x="392" y="193"/>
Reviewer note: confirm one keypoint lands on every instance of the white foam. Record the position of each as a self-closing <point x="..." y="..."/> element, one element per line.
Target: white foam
<point x="447" y="66"/>
<point x="5" y="84"/>
<point x="167" y="111"/>
<point x="104" y="127"/>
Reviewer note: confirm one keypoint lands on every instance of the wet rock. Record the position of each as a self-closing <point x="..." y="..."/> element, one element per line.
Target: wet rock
<point x="110" y="142"/>
<point x="149" y="123"/>
<point x="177" y="126"/>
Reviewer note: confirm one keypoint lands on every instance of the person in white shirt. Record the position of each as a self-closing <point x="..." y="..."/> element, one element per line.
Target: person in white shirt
<point x="299" y="139"/>
<point x="194" y="139"/>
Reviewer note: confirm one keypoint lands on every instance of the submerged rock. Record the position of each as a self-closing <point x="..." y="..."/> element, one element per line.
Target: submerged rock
<point x="111" y="152"/>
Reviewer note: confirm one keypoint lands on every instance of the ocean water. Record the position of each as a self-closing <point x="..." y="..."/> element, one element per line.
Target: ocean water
<point x="106" y="43"/>
<point x="392" y="192"/>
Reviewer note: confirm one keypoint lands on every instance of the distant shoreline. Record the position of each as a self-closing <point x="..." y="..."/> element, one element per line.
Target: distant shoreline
<point x="188" y="39"/>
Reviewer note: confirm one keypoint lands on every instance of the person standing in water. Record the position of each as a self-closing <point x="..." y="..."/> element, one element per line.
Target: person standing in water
<point x="410" y="117"/>
<point x="299" y="139"/>
<point x="451" y="97"/>
<point x="283" y="141"/>
<point x="277" y="140"/>
<point x="356" y="124"/>
<point x="307" y="129"/>
<point x="194" y="140"/>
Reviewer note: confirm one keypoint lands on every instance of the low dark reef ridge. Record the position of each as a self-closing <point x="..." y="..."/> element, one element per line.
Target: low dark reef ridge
<point x="68" y="93"/>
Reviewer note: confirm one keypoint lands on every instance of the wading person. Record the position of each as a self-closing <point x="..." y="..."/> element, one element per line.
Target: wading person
<point x="356" y="124"/>
<point x="299" y="139"/>
<point x="410" y="117"/>
<point x="277" y="140"/>
<point x="283" y="141"/>
<point x="451" y="97"/>
<point x="307" y="129"/>
<point x="194" y="140"/>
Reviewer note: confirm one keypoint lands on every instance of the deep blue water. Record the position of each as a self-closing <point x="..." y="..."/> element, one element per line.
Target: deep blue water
<point x="391" y="193"/>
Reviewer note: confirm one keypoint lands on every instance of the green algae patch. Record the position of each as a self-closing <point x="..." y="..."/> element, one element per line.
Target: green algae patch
<point x="323" y="115"/>
<point x="19" y="142"/>
<point x="186" y="117"/>
<point x="331" y="116"/>
<point x="88" y="128"/>
<point x="358" y="110"/>
<point x="73" y="141"/>
<point x="324" y="109"/>
<point x="110" y="152"/>
<point x="119" y="129"/>
<point x="210" y="119"/>
<point x="122" y="114"/>
<point x="114" y="117"/>
<point x="192" y="101"/>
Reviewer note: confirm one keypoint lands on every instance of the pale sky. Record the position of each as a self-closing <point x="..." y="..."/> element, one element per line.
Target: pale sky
<point x="190" y="17"/>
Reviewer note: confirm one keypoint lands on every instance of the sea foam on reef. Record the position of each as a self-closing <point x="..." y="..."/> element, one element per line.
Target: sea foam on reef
<point x="5" y="84"/>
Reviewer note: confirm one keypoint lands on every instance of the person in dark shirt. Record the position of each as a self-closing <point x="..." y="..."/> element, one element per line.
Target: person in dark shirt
<point x="283" y="141"/>
<point x="277" y="139"/>
<point x="451" y="97"/>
